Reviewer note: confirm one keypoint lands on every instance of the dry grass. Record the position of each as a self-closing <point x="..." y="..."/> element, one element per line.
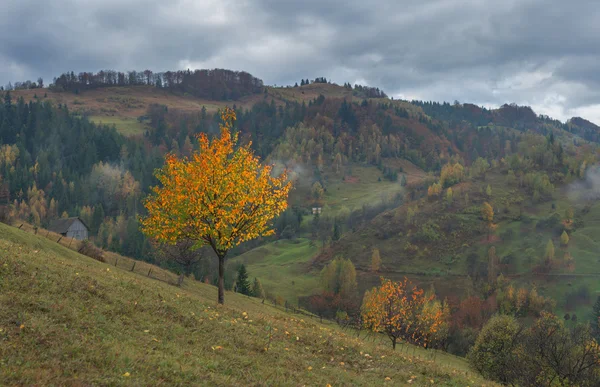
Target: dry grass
<point x="69" y="320"/>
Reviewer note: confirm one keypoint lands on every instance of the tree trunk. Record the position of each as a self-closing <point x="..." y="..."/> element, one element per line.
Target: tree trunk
<point x="221" y="298"/>
<point x="394" y="343"/>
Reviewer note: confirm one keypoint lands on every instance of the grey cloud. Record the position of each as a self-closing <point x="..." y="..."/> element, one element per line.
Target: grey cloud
<point x="536" y="52"/>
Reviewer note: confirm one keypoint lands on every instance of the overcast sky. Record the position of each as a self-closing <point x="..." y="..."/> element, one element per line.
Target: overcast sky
<point x="542" y="53"/>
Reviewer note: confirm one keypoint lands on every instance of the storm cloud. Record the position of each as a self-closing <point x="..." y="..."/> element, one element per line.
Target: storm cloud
<point x="540" y="53"/>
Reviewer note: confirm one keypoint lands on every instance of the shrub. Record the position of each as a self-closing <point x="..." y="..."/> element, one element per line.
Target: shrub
<point x="89" y="249"/>
<point x="493" y="353"/>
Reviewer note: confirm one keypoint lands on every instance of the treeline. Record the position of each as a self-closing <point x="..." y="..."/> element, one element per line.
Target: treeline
<point x="54" y="164"/>
<point x="217" y="84"/>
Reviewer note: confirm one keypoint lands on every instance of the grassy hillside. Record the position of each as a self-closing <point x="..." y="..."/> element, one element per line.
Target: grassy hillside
<point x="121" y="106"/>
<point x="283" y="268"/>
<point x="521" y="233"/>
<point x="69" y="320"/>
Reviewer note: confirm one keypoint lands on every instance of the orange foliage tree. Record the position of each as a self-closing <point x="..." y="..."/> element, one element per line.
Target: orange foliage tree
<point x="221" y="196"/>
<point x="400" y="311"/>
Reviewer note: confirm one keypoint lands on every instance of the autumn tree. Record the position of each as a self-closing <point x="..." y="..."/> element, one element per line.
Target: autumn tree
<point x="375" y="261"/>
<point x="257" y="289"/>
<point x="564" y="238"/>
<point x="487" y="213"/>
<point x="317" y="191"/>
<point x="221" y="196"/>
<point x="400" y="310"/>
<point x="339" y="277"/>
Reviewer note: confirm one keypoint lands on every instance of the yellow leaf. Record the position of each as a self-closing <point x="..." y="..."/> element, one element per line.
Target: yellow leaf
<point x="309" y="368"/>
<point x="22" y="326"/>
<point x="127" y="374"/>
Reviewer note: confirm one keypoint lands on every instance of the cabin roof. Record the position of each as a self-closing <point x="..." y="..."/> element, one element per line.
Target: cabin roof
<point x="61" y="226"/>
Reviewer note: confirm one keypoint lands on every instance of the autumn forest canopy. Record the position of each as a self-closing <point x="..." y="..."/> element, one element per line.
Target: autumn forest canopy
<point x="445" y="226"/>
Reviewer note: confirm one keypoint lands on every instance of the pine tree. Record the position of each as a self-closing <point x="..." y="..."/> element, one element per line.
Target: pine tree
<point x="336" y="231"/>
<point x="257" y="289"/>
<point x="403" y="181"/>
<point x="488" y="191"/>
<point x="97" y="218"/>
<point x="242" y="283"/>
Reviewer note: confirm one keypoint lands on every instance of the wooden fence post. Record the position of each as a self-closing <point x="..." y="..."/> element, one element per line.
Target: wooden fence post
<point x="133" y="267"/>
<point x="71" y="242"/>
<point x="149" y="271"/>
<point x="20" y="226"/>
<point x="116" y="261"/>
<point x="58" y="241"/>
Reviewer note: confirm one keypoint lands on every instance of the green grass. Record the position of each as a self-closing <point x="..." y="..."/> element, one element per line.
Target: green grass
<point x="283" y="268"/>
<point x="124" y="125"/>
<point x="69" y="320"/>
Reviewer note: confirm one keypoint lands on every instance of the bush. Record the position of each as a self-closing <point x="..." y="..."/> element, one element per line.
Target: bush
<point x="89" y="249"/>
<point x="429" y="232"/>
<point x="493" y="353"/>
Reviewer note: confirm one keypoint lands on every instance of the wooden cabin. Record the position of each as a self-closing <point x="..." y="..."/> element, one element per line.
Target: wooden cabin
<point x="70" y="228"/>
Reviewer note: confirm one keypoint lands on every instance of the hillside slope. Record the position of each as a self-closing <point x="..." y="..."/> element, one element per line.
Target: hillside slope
<point x="121" y="106"/>
<point x="69" y="320"/>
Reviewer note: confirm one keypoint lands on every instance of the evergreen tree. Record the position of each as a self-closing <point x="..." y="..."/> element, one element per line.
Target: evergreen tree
<point x="336" y="231"/>
<point x="242" y="284"/>
<point x="97" y="218"/>
<point x="403" y="181"/>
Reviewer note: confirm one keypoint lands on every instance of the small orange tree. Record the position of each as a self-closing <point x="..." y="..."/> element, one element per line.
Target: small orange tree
<point x="398" y="309"/>
<point x="221" y="196"/>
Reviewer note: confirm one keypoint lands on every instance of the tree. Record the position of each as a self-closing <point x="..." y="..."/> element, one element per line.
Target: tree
<point x="569" y="215"/>
<point x="449" y="197"/>
<point x="557" y="354"/>
<point x="399" y="310"/>
<point x="182" y="253"/>
<point x="564" y="238"/>
<point x="493" y="353"/>
<point x="487" y="213"/>
<point x="317" y="191"/>
<point x="375" y="261"/>
<point x="488" y="191"/>
<point x="242" y="285"/>
<point x="549" y="254"/>
<point x="339" y="277"/>
<point x="492" y="265"/>
<point x="257" y="289"/>
<point x="596" y="318"/>
<point x="220" y="197"/>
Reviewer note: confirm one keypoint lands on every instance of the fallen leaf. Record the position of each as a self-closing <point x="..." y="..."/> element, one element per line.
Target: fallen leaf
<point x="127" y="374"/>
<point x="309" y="368"/>
<point x="22" y="326"/>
